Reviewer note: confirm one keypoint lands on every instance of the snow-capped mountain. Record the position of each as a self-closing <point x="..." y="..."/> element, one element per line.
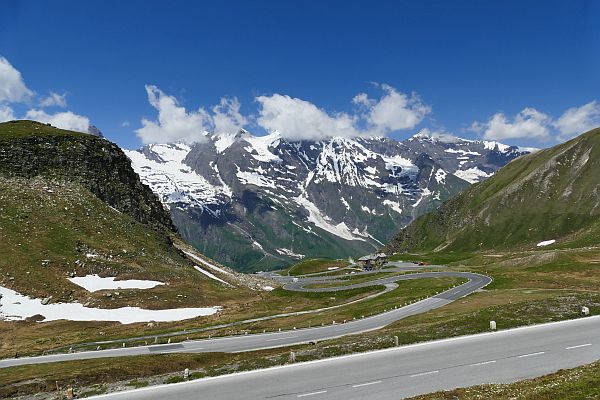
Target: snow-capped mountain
<point x="256" y="202"/>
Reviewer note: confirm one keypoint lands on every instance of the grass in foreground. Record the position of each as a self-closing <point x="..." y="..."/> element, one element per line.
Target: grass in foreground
<point x="468" y="316"/>
<point x="581" y="383"/>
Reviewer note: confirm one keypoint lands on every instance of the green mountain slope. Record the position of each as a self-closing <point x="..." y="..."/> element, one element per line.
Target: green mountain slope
<point x="553" y="194"/>
<point x="70" y="204"/>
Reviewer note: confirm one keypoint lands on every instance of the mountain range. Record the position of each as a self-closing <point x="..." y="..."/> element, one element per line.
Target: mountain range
<point x="261" y="202"/>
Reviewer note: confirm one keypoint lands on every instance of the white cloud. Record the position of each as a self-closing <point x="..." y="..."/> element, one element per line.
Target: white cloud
<point x="12" y="86"/>
<point x="298" y="119"/>
<point x="54" y="99"/>
<point x="227" y="117"/>
<point x="362" y="99"/>
<point x="174" y="122"/>
<point x="6" y="113"/>
<point x="577" y="120"/>
<point x="392" y="112"/>
<point x="64" y="120"/>
<point x="125" y="124"/>
<point x="14" y="90"/>
<point x="528" y="124"/>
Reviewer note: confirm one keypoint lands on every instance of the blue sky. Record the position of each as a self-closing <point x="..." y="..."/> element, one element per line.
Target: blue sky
<point x="523" y="72"/>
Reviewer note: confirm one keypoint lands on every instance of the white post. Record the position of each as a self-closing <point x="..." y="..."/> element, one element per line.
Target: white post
<point x="292" y="357"/>
<point x="186" y="373"/>
<point x="493" y="325"/>
<point x="396" y="341"/>
<point x="585" y="311"/>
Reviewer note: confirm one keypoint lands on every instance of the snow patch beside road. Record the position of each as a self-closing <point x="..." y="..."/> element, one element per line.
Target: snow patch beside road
<point x="94" y="283"/>
<point x="211" y="276"/>
<point x="209" y="265"/>
<point x="16" y="307"/>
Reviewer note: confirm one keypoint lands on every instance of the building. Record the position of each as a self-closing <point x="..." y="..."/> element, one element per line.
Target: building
<point x="372" y="261"/>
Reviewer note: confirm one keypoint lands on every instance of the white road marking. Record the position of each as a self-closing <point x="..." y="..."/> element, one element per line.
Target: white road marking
<point x="578" y="346"/>
<point x="366" y="384"/>
<point x="424" y="373"/>
<point x="482" y="363"/>
<point x="531" y="354"/>
<point x="282" y="338"/>
<point x="312" y="394"/>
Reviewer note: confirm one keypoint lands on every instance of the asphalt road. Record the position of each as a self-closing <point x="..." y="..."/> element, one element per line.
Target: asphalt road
<point x="286" y="338"/>
<point x="498" y="357"/>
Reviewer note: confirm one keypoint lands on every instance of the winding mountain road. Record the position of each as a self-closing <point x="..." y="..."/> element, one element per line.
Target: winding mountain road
<point x="392" y="374"/>
<point x="291" y="337"/>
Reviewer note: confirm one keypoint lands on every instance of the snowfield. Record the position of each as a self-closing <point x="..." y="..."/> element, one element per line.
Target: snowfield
<point x="15" y="307"/>
<point x="94" y="283"/>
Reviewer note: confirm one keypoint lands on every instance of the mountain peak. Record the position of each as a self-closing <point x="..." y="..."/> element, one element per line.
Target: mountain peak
<point x="443" y="137"/>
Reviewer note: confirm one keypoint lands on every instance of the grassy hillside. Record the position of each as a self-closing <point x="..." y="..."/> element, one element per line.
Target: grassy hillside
<point x="50" y="230"/>
<point x="553" y="194"/>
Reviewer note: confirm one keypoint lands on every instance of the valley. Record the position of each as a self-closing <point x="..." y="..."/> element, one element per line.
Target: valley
<point x="69" y="245"/>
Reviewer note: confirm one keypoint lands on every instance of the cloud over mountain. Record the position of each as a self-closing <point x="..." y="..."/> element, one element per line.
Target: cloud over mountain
<point x="533" y="124"/>
<point x="294" y="118"/>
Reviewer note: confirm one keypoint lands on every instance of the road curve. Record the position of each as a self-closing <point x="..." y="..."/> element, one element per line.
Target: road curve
<point x="498" y="357"/>
<point x="287" y="338"/>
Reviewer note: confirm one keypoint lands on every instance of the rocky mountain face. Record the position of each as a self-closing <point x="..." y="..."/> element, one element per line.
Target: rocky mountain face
<point x="548" y="198"/>
<point x="259" y="202"/>
<point x="29" y="149"/>
<point x="71" y="206"/>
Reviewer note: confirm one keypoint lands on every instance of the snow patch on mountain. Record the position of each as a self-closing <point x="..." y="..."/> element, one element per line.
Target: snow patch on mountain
<point x="253" y="178"/>
<point x="290" y="253"/>
<point x="259" y="147"/>
<point x="223" y="141"/>
<point x="394" y="205"/>
<point x="211" y="276"/>
<point x="472" y="175"/>
<point x="440" y="176"/>
<point x="493" y="145"/>
<point x="463" y="152"/>
<point x="323" y="221"/>
<point x="173" y="180"/>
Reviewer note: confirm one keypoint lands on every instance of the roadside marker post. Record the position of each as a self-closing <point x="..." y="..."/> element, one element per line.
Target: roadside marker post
<point x="493" y="325"/>
<point x="585" y="311"/>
